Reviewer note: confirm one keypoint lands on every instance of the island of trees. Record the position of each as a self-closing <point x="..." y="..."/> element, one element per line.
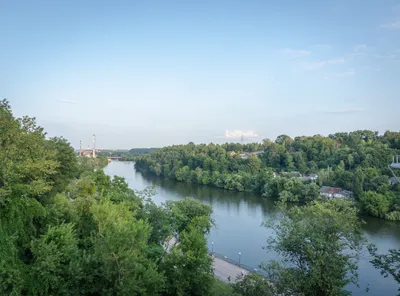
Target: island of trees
<point x="66" y="228"/>
<point x="292" y="170"/>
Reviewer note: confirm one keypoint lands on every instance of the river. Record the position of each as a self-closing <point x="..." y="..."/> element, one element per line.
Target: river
<point x="239" y="216"/>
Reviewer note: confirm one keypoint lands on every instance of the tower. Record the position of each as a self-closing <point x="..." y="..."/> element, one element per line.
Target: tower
<point x="94" y="146"/>
<point x="80" y="148"/>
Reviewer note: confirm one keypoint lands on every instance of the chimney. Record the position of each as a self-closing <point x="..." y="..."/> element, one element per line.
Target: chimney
<point x="94" y="146"/>
<point x="80" y="148"/>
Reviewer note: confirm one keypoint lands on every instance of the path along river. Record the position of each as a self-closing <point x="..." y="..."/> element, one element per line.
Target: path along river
<point x="239" y="216"/>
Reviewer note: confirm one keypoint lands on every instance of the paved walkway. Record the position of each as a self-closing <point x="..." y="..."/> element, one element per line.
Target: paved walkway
<point x="223" y="270"/>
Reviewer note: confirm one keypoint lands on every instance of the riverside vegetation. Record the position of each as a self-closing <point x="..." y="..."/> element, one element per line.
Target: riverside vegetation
<point x="356" y="161"/>
<point x="66" y="228"/>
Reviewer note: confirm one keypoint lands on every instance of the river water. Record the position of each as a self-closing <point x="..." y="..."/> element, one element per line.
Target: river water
<point x="239" y="216"/>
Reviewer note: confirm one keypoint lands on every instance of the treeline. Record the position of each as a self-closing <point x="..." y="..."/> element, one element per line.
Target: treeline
<point x="141" y="151"/>
<point x="126" y="155"/>
<point x="356" y="161"/>
<point x="135" y="152"/>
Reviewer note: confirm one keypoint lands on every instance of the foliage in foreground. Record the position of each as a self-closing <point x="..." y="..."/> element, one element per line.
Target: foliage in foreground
<point x="388" y="264"/>
<point x="68" y="229"/>
<point x="319" y="244"/>
<point x="254" y="285"/>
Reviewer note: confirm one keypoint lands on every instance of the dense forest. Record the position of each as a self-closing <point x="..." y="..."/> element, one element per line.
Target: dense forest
<point x="356" y="161"/>
<point x="66" y="228"/>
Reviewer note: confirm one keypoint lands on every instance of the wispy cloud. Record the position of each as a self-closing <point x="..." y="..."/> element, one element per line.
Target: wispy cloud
<point x="345" y="111"/>
<point x="67" y="101"/>
<point x="295" y="53"/>
<point x="237" y="134"/>
<point x="321" y="64"/>
<point x="395" y="25"/>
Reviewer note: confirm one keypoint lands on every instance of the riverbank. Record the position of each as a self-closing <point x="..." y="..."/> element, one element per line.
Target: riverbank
<point x="359" y="205"/>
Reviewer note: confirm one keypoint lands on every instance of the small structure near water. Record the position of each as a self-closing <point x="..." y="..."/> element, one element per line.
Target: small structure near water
<point x="334" y="192"/>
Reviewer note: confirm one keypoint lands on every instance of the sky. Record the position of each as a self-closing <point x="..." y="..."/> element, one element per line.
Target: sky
<point x="156" y="73"/>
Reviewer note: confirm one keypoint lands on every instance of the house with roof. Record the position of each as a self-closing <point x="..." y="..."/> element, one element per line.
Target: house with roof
<point x="329" y="191"/>
<point x="334" y="192"/>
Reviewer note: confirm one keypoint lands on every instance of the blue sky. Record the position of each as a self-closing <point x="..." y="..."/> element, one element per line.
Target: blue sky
<point x="154" y="73"/>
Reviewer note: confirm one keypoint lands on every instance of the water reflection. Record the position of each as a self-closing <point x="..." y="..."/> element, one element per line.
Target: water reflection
<point x="212" y="196"/>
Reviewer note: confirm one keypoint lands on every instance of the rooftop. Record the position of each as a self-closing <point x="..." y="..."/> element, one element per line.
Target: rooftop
<point x="330" y="190"/>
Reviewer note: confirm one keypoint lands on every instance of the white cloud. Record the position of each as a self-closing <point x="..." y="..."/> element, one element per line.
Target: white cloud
<point x="237" y="134"/>
<point x="67" y="101"/>
<point x="392" y="26"/>
<point x="321" y="64"/>
<point x="296" y="53"/>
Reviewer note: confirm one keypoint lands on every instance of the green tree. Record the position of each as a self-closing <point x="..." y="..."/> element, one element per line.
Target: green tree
<point x="56" y="265"/>
<point x="375" y="204"/>
<point x="189" y="267"/>
<point x="358" y="185"/>
<point x="253" y="285"/>
<point x="388" y="264"/>
<point x="67" y="163"/>
<point x="222" y="289"/>
<point x="183" y="212"/>
<point x="319" y="245"/>
<point x="119" y="243"/>
<point x="27" y="168"/>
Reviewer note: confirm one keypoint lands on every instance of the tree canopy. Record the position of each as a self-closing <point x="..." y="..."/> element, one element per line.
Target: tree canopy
<point x="66" y="228"/>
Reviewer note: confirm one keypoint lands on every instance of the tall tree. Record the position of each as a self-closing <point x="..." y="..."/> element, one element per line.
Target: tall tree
<point x="358" y="184"/>
<point x="319" y="244"/>
<point x="188" y="266"/>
